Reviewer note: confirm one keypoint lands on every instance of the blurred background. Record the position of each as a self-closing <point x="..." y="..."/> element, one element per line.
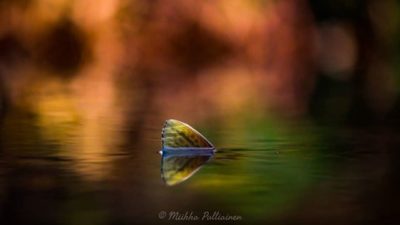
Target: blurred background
<point x="301" y="96"/>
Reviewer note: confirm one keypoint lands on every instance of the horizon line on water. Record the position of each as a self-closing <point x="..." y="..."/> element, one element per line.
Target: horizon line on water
<point x="188" y="151"/>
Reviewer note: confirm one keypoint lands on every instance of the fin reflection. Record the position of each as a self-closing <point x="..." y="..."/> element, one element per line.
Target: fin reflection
<point x="184" y="151"/>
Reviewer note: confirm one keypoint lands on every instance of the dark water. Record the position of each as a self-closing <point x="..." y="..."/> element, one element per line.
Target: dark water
<point x="266" y="172"/>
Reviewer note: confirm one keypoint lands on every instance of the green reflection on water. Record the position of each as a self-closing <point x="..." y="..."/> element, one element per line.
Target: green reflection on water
<point x="262" y="169"/>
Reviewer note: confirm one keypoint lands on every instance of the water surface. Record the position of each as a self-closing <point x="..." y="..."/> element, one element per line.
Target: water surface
<point x="263" y="171"/>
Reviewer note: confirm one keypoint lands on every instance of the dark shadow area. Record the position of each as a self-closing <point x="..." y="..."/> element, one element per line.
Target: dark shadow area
<point x="63" y="49"/>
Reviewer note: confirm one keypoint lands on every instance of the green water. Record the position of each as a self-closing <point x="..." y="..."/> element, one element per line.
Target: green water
<point x="265" y="171"/>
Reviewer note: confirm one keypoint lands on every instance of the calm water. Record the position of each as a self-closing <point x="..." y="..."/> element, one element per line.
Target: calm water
<point x="264" y="172"/>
